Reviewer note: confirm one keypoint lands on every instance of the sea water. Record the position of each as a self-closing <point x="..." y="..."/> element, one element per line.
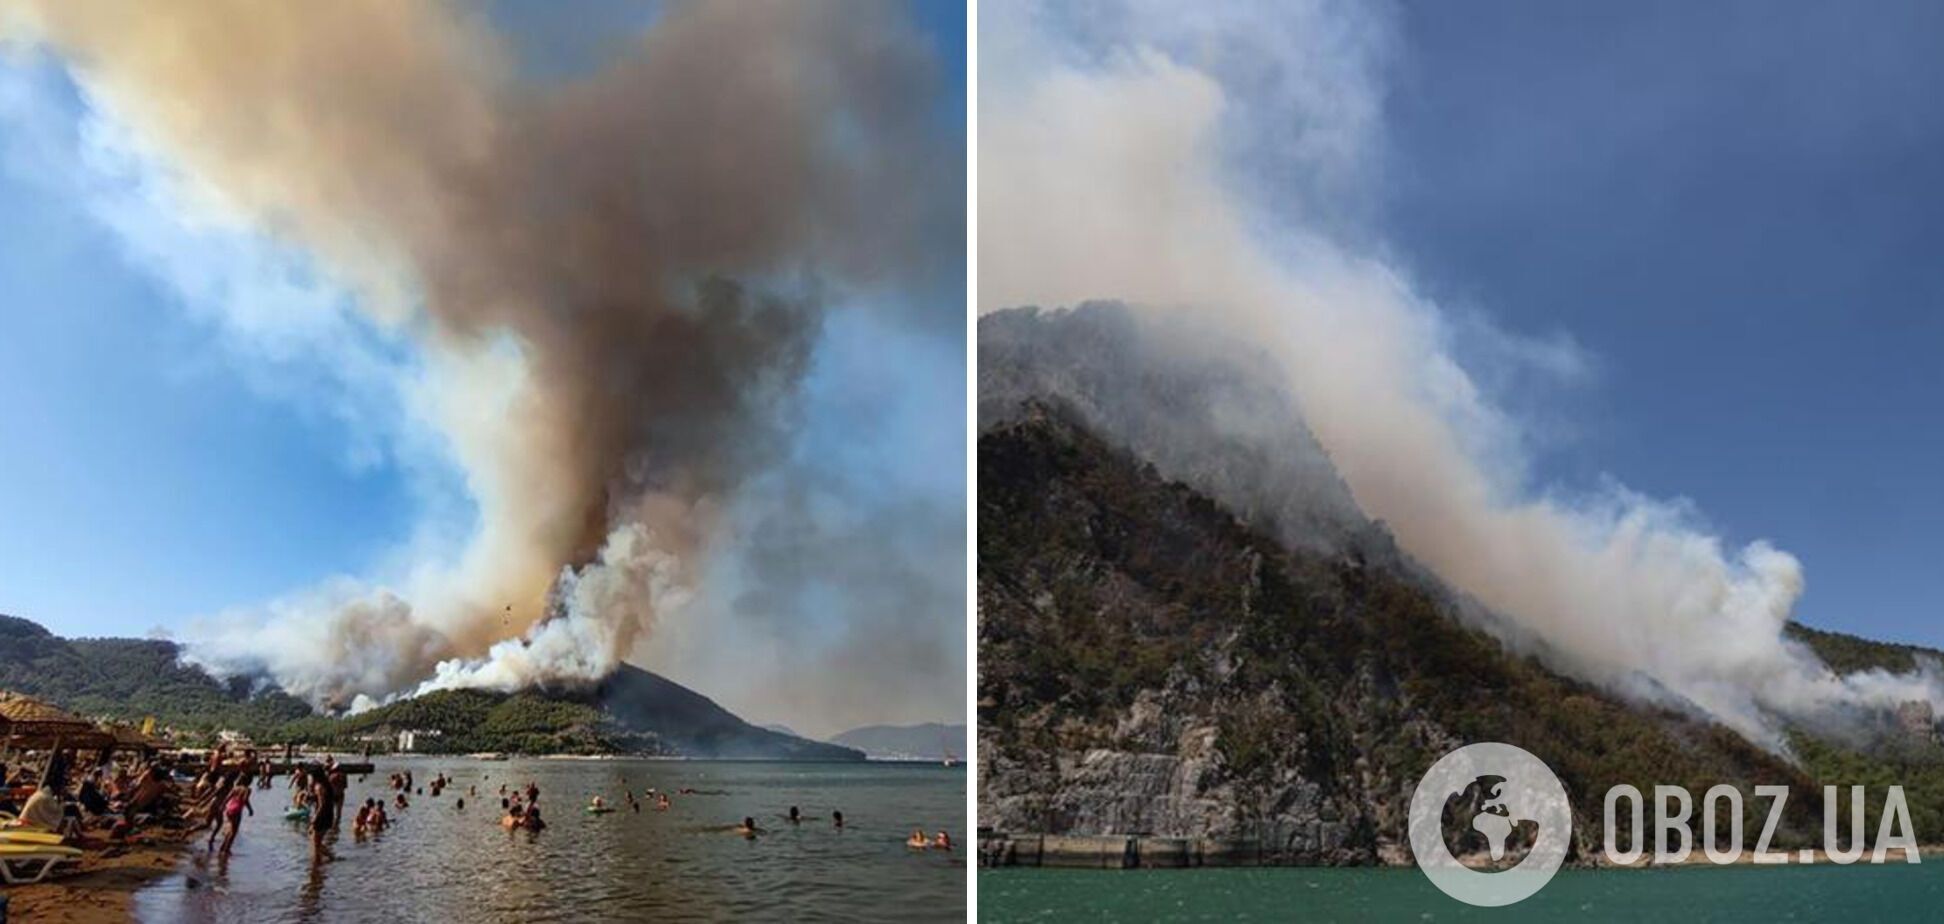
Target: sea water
<point x="437" y="862"/>
<point x="1863" y="892"/>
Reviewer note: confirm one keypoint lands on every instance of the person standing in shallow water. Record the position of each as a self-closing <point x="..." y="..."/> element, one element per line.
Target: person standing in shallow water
<point x="237" y="803"/>
<point x="324" y="811"/>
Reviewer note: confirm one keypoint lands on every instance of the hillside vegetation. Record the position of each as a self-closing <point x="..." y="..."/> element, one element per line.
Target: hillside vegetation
<point x="632" y="711"/>
<point x="1151" y="664"/>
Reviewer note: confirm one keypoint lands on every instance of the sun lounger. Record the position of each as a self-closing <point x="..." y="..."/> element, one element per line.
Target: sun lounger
<point x="28" y="836"/>
<point x="21" y="864"/>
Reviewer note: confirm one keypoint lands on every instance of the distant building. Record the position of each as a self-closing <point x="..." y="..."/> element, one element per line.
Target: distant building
<point x="408" y="739"/>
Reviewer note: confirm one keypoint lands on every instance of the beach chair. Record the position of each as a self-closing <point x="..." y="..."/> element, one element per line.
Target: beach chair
<point x="22" y="864"/>
<point x="29" y="836"/>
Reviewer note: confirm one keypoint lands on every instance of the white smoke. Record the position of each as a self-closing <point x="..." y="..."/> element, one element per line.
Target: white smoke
<point x="590" y="614"/>
<point x="591" y="302"/>
<point x="1129" y="154"/>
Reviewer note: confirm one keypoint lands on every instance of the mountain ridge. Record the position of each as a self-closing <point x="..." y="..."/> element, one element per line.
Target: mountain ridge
<point x="631" y="711"/>
<point x="1151" y="663"/>
<point x="923" y="741"/>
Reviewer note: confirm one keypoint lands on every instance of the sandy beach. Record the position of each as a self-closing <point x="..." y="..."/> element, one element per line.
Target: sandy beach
<point x="103" y="889"/>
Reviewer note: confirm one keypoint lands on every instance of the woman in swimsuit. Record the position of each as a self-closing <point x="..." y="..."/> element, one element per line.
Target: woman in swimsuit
<point x="239" y="802"/>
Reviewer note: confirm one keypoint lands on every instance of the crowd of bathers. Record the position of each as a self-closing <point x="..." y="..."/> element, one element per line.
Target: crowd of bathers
<point x="123" y="795"/>
<point x="112" y="796"/>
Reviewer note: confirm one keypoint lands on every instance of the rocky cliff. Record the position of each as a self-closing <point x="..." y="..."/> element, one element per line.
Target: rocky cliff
<point x="1151" y="665"/>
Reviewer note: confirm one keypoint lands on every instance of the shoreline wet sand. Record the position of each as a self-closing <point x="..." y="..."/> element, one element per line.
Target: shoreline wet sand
<point x="103" y="889"/>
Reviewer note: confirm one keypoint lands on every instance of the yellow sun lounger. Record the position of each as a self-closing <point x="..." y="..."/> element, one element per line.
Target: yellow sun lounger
<point x="28" y="836"/>
<point x="21" y="864"/>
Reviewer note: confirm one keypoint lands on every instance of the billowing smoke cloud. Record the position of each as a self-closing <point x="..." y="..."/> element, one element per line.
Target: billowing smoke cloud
<point x="616" y="281"/>
<point x="1129" y="154"/>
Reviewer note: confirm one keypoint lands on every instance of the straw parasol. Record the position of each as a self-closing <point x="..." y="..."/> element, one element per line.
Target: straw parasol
<point x="130" y="738"/>
<point x="28" y="722"/>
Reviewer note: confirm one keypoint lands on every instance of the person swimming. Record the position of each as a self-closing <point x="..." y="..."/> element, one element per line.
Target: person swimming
<point x="532" y="821"/>
<point x="917" y="840"/>
<point x="942" y="842"/>
<point x="461" y="804"/>
<point x="597" y="803"/>
<point x="515" y="816"/>
<point x="837" y="819"/>
<point x="796" y="817"/>
<point x="748" y="828"/>
<point x="400" y="801"/>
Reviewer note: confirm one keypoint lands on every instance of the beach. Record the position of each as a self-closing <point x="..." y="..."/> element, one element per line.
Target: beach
<point x="103" y="890"/>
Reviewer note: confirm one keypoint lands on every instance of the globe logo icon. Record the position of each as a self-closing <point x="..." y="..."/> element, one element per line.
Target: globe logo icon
<point x="1499" y="807"/>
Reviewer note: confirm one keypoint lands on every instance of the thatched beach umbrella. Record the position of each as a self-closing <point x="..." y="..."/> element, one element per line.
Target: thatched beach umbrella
<point x="30" y="723"/>
<point x="130" y="738"/>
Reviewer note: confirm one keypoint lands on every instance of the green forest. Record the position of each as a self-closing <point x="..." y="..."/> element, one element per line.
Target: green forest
<point x="630" y="711"/>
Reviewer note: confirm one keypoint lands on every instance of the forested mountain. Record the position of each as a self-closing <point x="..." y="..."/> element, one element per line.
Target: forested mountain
<point x="632" y="711"/>
<point x="1150" y="664"/>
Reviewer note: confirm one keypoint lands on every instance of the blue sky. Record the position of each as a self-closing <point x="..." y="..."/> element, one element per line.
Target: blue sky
<point x="1734" y="210"/>
<point x="153" y="468"/>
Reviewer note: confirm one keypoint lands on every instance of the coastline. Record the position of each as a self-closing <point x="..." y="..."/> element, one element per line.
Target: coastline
<point x="1127" y="851"/>
<point x="103" y="890"/>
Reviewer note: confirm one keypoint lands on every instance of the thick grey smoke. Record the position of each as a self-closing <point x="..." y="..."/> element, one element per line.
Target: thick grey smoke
<point x="617" y="281"/>
<point x="1109" y="168"/>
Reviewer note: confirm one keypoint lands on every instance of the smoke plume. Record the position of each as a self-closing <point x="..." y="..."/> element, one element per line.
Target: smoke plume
<point x="1144" y="153"/>
<point x="616" y="280"/>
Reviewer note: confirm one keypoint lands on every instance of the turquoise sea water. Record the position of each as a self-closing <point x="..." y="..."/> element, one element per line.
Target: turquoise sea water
<point x="1741" y="893"/>
<point x="441" y="863"/>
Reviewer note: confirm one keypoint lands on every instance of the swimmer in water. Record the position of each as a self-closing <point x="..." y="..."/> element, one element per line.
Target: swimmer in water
<point x="917" y="840"/>
<point x="748" y="828"/>
<point x="837" y="819"/>
<point x="942" y="842"/>
<point x="796" y="817"/>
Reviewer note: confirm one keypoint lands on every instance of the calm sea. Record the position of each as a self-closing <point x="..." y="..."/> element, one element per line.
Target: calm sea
<point x="1795" y="893"/>
<point x="440" y="863"/>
